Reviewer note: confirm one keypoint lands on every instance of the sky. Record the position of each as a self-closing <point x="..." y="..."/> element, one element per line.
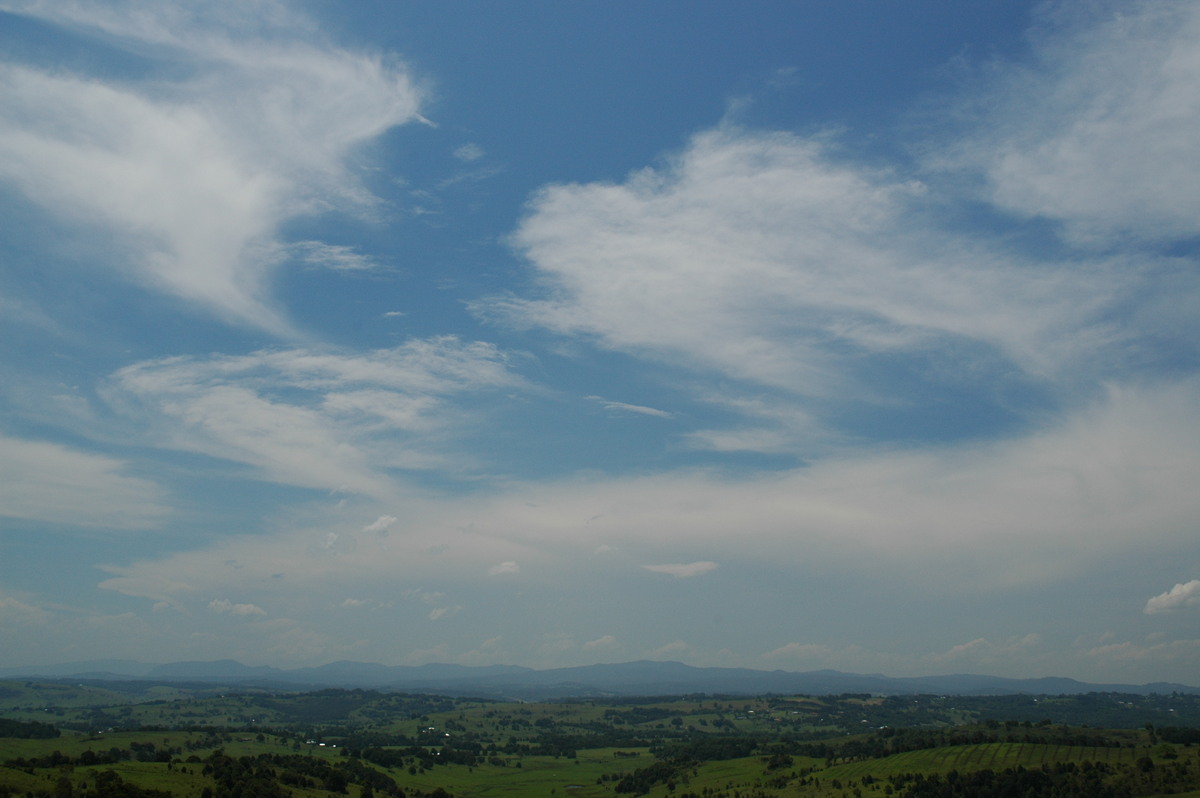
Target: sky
<point x="782" y="335"/>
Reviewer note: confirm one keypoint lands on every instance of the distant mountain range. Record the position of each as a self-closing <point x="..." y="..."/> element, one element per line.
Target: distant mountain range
<point x="623" y="679"/>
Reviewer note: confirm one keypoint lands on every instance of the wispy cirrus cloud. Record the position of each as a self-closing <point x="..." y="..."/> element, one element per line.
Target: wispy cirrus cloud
<point x="795" y="273"/>
<point x="319" y="419"/>
<point x="243" y="120"/>
<point x="996" y="519"/>
<point x="334" y="257"/>
<point x="1093" y="132"/>
<point x="50" y="482"/>
<point x="766" y="258"/>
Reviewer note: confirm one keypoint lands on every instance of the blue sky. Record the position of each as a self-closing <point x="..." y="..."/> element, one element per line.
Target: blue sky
<point x="791" y="335"/>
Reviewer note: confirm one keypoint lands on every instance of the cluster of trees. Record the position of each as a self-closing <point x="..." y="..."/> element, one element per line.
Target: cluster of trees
<point x="676" y="761"/>
<point x="106" y="784"/>
<point x="31" y="730"/>
<point x="886" y="742"/>
<point x="142" y="752"/>
<point x="1094" y="779"/>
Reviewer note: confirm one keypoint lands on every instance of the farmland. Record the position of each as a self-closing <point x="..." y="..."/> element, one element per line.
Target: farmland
<point x="134" y="740"/>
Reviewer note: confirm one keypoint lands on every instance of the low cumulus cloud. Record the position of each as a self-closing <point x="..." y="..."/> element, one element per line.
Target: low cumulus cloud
<point x="1182" y="596"/>
<point x="983" y="650"/>
<point x="226" y="607"/>
<point x="675" y="648"/>
<point x="16" y="613"/>
<point x="683" y="570"/>
<point x="381" y="525"/>
<point x="1156" y="654"/>
<point x="600" y="643"/>
<point x="798" y="654"/>
<point x="437" y="613"/>
<point x="508" y="567"/>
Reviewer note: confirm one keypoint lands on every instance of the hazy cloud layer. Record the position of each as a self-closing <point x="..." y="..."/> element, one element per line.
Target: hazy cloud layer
<point x="48" y="482"/>
<point x="1019" y="516"/>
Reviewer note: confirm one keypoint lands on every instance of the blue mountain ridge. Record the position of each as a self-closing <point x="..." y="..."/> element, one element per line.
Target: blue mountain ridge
<point x="642" y="677"/>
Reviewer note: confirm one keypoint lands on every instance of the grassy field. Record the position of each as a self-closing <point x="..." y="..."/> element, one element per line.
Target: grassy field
<point x="495" y="749"/>
<point x="990" y="756"/>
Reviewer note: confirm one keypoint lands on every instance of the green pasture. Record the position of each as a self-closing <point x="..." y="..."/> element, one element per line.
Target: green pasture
<point x="72" y="744"/>
<point x="985" y="756"/>
<point x="731" y="775"/>
<point x="31" y="700"/>
<point x="21" y="782"/>
<point x="537" y="775"/>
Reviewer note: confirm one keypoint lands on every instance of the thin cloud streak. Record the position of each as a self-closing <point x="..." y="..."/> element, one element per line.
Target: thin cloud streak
<point x="625" y="407"/>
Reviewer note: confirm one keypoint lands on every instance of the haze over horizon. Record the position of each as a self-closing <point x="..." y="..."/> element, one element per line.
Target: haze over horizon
<point x="858" y="336"/>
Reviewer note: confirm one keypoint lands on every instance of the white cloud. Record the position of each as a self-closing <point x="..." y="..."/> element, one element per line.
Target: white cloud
<point x="508" y="567"/>
<point x="333" y="544"/>
<point x="226" y="607"/>
<point x="763" y="257"/>
<point x="1177" y="598"/>
<point x="623" y="407"/>
<point x="799" y="654"/>
<point x="317" y="419"/>
<point x="993" y="519"/>
<point x="426" y="596"/>
<point x="49" y="482"/>
<point x="193" y="178"/>
<point x="1152" y="656"/>
<point x="469" y="152"/>
<point x="983" y="651"/>
<point x="381" y="525"/>
<point x="683" y="570"/>
<point x="600" y="643"/>
<point x="676" y="648"/>
<point x="1099" y="131"/>
<point x="16" y="613"/>
<point x="330" y="256"/>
